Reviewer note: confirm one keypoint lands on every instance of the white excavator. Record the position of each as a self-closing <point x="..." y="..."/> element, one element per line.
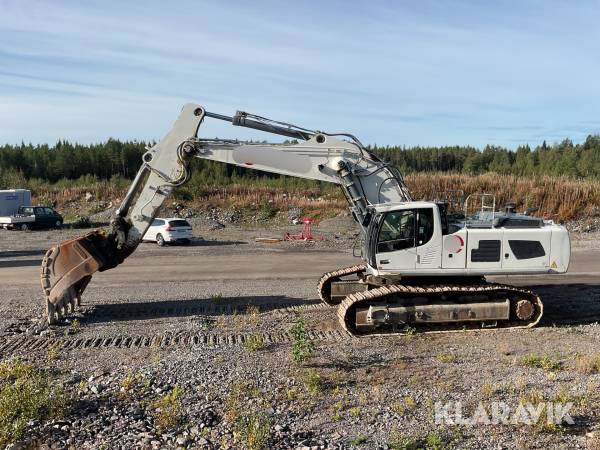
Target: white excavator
<point x="423" y="267"/>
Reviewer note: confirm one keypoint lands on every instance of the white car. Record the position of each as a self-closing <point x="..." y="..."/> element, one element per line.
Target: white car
<point x="164" y="231"/>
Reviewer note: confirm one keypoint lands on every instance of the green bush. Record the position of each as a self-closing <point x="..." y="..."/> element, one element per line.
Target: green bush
<point x="26" y="394"/>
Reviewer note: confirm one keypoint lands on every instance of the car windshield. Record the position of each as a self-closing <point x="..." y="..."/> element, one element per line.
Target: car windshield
<point x="179" y="223"/>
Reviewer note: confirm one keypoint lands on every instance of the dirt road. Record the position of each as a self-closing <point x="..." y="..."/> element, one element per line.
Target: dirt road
<point x="184" y="316"/>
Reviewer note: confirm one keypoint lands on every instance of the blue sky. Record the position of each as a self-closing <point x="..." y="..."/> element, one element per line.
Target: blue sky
<point x="407" y="73"/>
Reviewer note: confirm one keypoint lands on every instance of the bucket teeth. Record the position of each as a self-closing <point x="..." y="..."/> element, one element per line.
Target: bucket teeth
<point x="66" y="271"/>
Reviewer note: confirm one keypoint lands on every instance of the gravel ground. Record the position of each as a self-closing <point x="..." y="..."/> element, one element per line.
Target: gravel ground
<point x="174" y="320"/>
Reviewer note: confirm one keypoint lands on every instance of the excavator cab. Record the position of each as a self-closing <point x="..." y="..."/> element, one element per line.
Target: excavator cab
<point x="406" y="237"/>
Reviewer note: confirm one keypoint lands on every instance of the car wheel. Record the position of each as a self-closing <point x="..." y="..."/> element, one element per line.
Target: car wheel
<point x="160" y="240"/>
<point x="24" y="227"/>
<point x="58" y="224"/>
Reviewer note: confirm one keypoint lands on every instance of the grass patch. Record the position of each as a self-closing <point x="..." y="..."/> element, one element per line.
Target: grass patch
<point x="253" y="314"/>
<point x="354" y="412"/>
<point x="167" y="410"/>
<point x="53" y="351"/>
<point x="587" y="364"/>
<point x="337" y="411"/>
<point x="403" y="443"/>
<point x="244" y="409"/>
<point x="252" y="431"/>
<point x="400" y="407"/>
<point x="216" y="298"/>
<point x="313" y="382"/>
<point x="545" y="362"/>
<point x="254" y="342"/>
<point x="302" y="347"/>
<point x="27" y="393"/>
<point x="75" y="326"/>
<point x="445" y="357"/>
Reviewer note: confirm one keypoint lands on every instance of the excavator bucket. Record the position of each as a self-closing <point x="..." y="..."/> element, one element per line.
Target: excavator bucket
<point x="66" y="271"/>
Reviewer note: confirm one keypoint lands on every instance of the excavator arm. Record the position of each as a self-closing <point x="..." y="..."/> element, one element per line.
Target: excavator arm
<point x="333" y="157"/>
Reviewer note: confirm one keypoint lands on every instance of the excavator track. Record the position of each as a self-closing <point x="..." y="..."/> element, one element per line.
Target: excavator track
<point x="328" y="278"/>
<point x="400" y="309"/>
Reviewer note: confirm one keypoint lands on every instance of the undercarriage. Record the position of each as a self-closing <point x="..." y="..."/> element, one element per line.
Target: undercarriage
<point x="370" y="306"/>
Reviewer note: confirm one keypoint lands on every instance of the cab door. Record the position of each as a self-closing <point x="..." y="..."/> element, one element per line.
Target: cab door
<point x="428" y="239"/>
<point x="396" y="241"/>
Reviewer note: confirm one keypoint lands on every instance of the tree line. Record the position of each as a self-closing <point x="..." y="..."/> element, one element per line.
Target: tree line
<point x="66" y="160"/>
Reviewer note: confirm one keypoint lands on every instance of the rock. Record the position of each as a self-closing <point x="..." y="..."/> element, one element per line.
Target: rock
<point x="89" y="196"/>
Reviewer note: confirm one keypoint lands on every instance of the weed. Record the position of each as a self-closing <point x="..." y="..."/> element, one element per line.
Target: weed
<point x="26" y="394"/>
<point x="155" y="359"/>
<point x="534" y="396"/>
<point x="433" y="441"/>
<point x="216" y="298"/>
<point x="253" y="313"/>
<point x="489" y="389"/>
<point x="398" y="442"/>
<point x="545" y="362"/>
<point x="219" y="359"/>
<point x="587" y="364"/>
<point x="562" y="395"/>
<point x="267" y="210"/>
<point x="354" y="412"/>
<point x="400" y="364"/>
<point x="239" y="393"/>
<point x="337" y="410"/>
<point x="254" y="342"/>
<point x="250" y="428"/>
<point x="362" y="398"/>
<point x="75" y="326"/>
<point x="359" y="440"/>
<point x="128" y="384"/>
<point x="445" y="357"/>
<point x="220" y="322"/>
<point x="313" y="382"/>
<point x="252" y="431"/>
<point x="400" y="407"/>
<point x="54" y="350"/>
<point x="302" y="347"/>
<point x="292" y="393"/>
<point x="167" y="410"/>
<point x="409" y="401"/>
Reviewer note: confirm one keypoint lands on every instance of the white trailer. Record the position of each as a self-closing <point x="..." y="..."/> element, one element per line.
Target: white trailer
<point x="12" y="199"/>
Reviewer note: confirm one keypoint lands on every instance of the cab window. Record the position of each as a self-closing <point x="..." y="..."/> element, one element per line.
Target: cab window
<point x="397" y="231"/>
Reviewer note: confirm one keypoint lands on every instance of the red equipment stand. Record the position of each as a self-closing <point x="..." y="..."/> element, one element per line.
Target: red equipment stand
<point x="306" y="234"/>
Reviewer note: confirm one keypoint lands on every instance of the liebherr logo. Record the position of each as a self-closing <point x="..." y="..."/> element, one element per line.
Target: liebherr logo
<point x="500" y="413"/>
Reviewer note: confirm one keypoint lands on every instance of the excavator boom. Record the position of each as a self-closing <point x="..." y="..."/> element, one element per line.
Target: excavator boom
<point x="338" y="158"/>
